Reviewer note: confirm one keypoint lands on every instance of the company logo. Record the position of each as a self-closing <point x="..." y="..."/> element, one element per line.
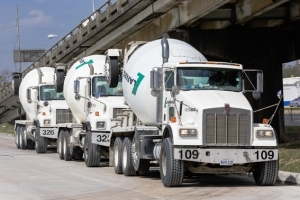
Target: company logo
<point x="136" y="82"/>
<point x="84" y="63"/>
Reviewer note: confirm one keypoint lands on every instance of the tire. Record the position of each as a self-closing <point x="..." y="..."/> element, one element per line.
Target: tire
<point x="267" y="173"/>
<point x="77" y="153"/>
<point x="59" y="83"/>
<point x="127" y="161"/>
<point x="66" y="146"/>
<point x="60" y="149"/>
<point x="171" y="170"/>
<point x="17" y="137"/>
<point x="118" y="155"/>
<point x="40" y="142"/>
<point x="113" y="71"/>
<point x="23" y="138"/>
<point x="91" y="152"/>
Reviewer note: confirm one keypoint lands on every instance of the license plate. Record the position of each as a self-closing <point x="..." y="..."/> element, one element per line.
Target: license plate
<point x="226" y="162"/>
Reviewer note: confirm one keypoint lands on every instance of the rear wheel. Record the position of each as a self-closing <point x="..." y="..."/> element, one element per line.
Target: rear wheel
<point x="91" y="152"/>
<point x="60" y="149"/>
<point x="127" y="161"/>
<point x="17" y="137"/>
<point x="267" y="173"/>
<point x="66" y="146"/>
<point x="40" y="142"/>
<point x="118" y="155"/>
<point x="171" y="170"/>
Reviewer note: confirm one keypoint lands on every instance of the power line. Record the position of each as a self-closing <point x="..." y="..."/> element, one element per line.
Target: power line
<point x="7" y="27"/>
<point x="42" y="29"/>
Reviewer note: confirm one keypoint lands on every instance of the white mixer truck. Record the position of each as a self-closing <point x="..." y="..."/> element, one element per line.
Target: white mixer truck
<point x="187" y="114"/>
<point x="93" y="105"/>
<point x="44" y="108"/>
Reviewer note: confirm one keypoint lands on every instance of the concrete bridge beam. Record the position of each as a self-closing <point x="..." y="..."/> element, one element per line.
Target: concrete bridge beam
<point x="247" y="10"/>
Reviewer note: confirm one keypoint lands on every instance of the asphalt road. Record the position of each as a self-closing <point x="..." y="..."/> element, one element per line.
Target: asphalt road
<point x="24" y="174"/>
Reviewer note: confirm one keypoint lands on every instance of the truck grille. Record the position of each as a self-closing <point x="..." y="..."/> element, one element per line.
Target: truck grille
<point x="63" y="116"/>
<point x="226" y="130"/>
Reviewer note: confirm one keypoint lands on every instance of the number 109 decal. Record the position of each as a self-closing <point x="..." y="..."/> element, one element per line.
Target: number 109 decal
<point x="264" y="154"/>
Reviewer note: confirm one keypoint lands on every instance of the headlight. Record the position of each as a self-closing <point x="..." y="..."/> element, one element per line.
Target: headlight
<point x="47" y="121"/>
<point x="100" y="124"/>
<point x="188" y="132"/>
<point x="264" y="133"/>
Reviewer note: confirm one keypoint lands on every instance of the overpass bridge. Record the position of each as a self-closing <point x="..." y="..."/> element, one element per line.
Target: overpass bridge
<point x="259" y="34"/>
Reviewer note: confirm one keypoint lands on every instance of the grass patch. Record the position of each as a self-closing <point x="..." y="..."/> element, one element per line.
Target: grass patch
<point x="7" y="127"/>
<point x="289" y="156"/>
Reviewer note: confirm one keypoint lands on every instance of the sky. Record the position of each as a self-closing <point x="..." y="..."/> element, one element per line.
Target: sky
<point x="38" y="19"/>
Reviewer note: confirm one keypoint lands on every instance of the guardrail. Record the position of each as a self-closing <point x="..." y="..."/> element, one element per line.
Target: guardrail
<point x="7" y="91"/>
<point x="70" y="37"/>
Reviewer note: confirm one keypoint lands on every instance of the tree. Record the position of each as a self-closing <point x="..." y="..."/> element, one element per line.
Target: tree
<point x="5" y="75"/>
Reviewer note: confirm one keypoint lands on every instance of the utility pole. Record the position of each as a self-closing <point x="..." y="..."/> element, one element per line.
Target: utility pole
<point x="18" y="37"/>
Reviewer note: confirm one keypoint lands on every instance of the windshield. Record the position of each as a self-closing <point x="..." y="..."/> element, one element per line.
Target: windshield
<point x="209" y="79"/>
<point x="99" y="84"/>
<point x="47" y="92"/>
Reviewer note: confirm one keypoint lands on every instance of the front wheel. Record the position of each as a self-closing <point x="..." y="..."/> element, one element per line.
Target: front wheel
<point x="60" y="142"/>
<point x="40" y="142"/>
<point x="171" y="170"/>
<point x="17" y="137"/>
<point x="66" y="146"/>
<point x="23" y="138"/>
<point x="267" y="173"/>
<point x="118" y="155"/>
<point x="91" y="152"/>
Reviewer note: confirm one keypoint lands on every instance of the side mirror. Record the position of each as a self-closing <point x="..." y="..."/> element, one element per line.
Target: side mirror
<point x="97" y="95"/>
<point x="28" y="95"/>
<point x="175" y="90"/>
<point x="154" y="80"/>
<point x="76" y="86"/>
<point x="279" y="94"/>
<point x="259" y="82"/>
<point x="256" y="95"/>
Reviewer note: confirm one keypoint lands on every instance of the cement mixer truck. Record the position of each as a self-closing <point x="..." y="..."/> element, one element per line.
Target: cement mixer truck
<point x="187" y="115"/>
<point x="44" y="108"/>
<point x="93" y="105"/>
